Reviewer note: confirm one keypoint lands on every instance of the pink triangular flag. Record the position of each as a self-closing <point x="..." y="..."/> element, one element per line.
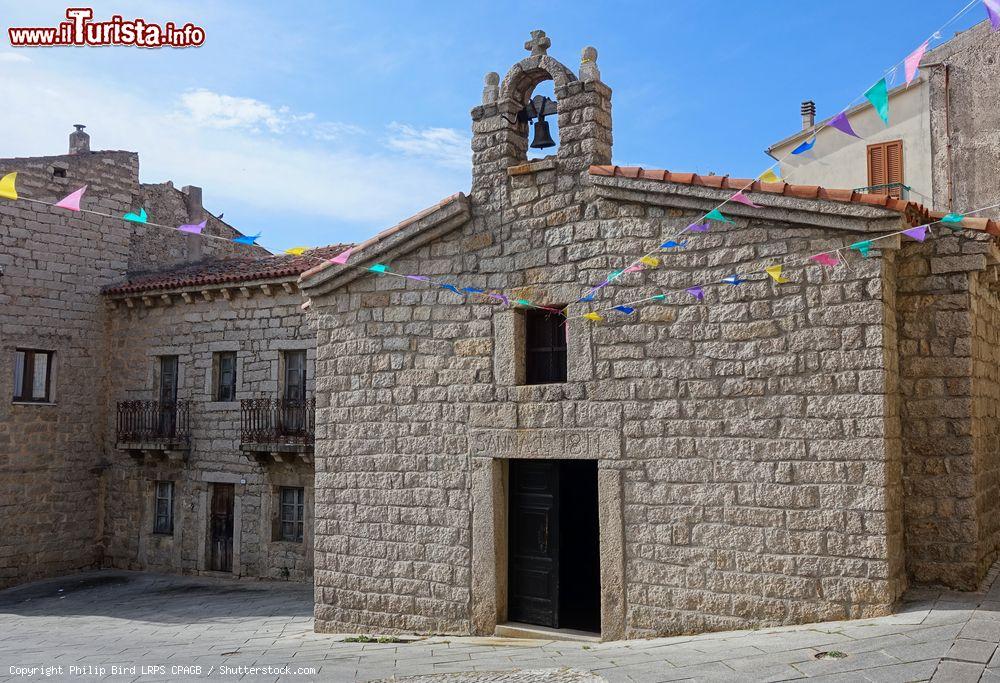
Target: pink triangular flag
<point x="633" y="269"/>
<point x="918" y="233"/>
<point x="841" y="123"/>
<point x="825" y="259"/>
<point x="341" y="258"/>
<point x="912" y="63"/>
<point x="743" y="199"/>
<point x="72" y="200"/>
<point x="195" y="228"/>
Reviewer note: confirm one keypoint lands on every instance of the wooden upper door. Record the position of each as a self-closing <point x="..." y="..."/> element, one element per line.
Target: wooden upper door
<point x="221" y="528"/>
<point x="533" y="543"/>
<point x="168" y="396"/>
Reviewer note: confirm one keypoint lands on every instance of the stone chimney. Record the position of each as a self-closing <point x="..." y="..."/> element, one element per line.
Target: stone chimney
<point x="808" y="114"/>
<point x="79" y="142"/>
<point x="192" y="195"/>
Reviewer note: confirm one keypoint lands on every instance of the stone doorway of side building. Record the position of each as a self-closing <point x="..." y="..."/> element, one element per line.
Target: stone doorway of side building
<point x="553" y="545"/>
<point x="220" y="528"/>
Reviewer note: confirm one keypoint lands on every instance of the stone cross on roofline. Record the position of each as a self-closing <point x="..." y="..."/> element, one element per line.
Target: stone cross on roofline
<point x="538" y="44"/>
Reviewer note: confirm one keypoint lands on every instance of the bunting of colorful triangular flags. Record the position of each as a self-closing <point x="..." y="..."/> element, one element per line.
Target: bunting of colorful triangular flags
<point x="136" y="217"/>
<point x="878" y="95"/>
<point x="775" y="273"/>
<point x="7" y="188"/>
<point x="71" y="202"/>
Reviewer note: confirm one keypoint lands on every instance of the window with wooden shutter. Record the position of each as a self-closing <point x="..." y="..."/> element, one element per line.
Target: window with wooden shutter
<point x="885" y="168"/>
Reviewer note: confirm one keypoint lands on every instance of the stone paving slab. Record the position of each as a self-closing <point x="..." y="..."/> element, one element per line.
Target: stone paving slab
<point x="99" y="620"/>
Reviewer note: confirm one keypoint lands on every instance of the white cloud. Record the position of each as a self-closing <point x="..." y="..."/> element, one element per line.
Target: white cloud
<point x="213" y="110"/>
<point x="445" y="145"/>
<point x="270" y="171"/>
<point x="13" y="58"/>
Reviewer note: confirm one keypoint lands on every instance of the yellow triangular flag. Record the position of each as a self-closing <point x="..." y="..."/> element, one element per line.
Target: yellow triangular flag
<point x="7" y="190"/>
<point x="769" y="176"/>
<point x="775" y="272"/>
<point x="592" y="316"/>
<point x="650" y="261"/>
<point x="297" y="251"/>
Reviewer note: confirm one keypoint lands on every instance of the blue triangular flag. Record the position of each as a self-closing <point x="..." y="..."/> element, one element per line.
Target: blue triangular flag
<point x="451" y="288"/>
<point x="473" y="290"/>
<point x="247" y="239"/>
<point x="625" y="309"/>
<point x="804" y="147"/>
<point x="733" y="280"/>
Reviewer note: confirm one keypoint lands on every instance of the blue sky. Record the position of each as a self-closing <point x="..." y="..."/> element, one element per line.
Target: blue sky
<point x="323" y="122"/>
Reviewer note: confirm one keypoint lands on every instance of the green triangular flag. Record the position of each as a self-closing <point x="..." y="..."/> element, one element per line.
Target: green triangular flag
<point x="952" y="218"/>
<point x="716" y="215"/>
<point x="878" y="95"/>
<point x="862" y="247"/>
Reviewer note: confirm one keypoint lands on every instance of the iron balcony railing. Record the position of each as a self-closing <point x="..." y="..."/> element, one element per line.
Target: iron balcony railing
<point x="153" y="422"/>
<point x="278" y="421"/>
<point x="898" y="190"/>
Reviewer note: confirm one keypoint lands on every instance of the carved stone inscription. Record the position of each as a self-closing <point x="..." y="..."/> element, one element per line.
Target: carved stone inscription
<point x="545" y="443"/>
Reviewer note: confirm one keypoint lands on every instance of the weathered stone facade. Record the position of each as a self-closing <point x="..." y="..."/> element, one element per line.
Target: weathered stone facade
<point x="750" y="448"/>
<point x="54" y="455"/>
<point x="194" y="324"/>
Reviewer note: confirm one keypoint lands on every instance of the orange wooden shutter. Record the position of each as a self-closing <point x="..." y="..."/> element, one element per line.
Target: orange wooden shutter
<point x="885" y="166"/>
<point x="876" y="165"/>
<point x="894" y="165"/>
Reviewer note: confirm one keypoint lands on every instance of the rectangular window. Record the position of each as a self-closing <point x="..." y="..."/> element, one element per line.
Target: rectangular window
<point x="32" y="372"/>
<point x="164" y="508"/>
<point x="545" y="347"/>
<point x="885" y="168"/>
<point x="292" y="516"/>
<point x="224" y="369"/>
<point x="295" y="375"/>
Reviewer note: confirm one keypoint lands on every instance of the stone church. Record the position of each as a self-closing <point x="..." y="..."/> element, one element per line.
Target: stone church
<point x="775" y="453"/>
<point x="438" y="461"/>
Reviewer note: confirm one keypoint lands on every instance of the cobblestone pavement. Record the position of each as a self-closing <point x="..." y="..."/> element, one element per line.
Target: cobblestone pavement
<point x="99" y="620"/>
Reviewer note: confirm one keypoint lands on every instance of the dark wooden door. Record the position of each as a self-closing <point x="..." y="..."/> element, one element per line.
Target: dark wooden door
<point x="221" y="528"/>
<point x="533" y="543"/>
<point x="168" y="396"/>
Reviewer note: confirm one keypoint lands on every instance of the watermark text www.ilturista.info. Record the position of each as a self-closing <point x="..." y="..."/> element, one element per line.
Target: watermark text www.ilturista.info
<point x="81" y="30"/>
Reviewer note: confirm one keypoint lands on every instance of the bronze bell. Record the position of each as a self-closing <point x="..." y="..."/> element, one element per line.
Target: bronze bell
<point x="543" y="138"/>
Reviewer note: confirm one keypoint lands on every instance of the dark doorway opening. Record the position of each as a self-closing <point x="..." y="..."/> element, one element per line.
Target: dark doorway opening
<point x="554" y="575"/>
<point x="221" y="528"/>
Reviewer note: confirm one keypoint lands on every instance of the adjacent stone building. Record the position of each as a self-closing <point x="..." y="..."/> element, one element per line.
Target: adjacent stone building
<point x="776" y="453"/>
<point x="98" y="465"/>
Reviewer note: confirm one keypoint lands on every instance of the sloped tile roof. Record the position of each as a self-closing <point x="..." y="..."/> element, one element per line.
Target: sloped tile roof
<point x="914" y="212"/>
<point x="223" y="271"/>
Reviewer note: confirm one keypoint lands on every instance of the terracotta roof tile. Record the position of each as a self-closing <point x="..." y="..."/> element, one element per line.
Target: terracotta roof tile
<point x="914" y="212"/>
<point x="223" y="271"/>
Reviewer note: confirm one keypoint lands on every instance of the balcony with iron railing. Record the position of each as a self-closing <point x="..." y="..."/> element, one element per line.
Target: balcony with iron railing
<point x="282" y="429"/>
<point x="154" y="427"/>
<point x="897" y="190"/>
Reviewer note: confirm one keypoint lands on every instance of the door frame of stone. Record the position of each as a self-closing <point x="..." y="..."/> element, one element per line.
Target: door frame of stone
<point x="489" y="540"/>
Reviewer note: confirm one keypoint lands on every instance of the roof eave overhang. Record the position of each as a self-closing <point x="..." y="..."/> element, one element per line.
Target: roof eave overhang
<point x="851" y="217"/>
<point x="390" y="244"/>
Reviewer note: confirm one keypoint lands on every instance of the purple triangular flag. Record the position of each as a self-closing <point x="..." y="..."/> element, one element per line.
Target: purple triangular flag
<point x="697" y="292"/>
<point x="195" y="228"/>
<point x="419" y="278"/>
<point x="993" y="12"/>
<point x="699" y="227"/>
<point x="841" y="123"/>
<point x="500" y="297"/>
<point x="918" y="233"/>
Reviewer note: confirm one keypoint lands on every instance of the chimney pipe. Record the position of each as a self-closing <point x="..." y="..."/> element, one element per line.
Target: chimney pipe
<point x="808" y="114"/>
<point x="79" y="142"/>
